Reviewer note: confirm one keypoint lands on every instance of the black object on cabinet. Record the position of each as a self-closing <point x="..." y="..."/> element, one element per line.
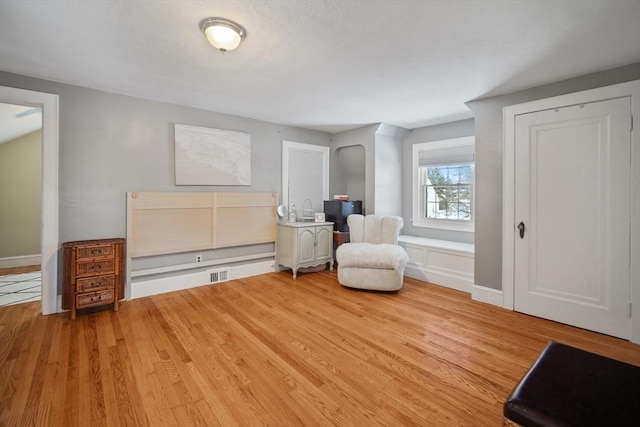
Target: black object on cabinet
<point x="337" y="212"/>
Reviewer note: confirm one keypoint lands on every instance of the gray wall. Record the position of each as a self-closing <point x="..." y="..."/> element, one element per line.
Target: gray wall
<point x="382" y="174"/>
<point x="365" y="137"/>
<point x="110" y="144"/>
<point x="388" y="170"/>
<point x="489" y="144"/>
<point x="351" y="161"/>
<point x="418" y="136"/>
<point x="20" y="195"/>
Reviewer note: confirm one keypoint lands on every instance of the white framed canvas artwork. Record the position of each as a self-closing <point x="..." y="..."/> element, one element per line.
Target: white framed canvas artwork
<point x="209" y="156"/>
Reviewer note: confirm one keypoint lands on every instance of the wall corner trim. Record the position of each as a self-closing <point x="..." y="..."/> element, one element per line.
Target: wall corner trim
<point x="486" y="295"/>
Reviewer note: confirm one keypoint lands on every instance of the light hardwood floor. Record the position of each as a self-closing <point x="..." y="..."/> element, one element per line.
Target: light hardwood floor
<point x="269" y="350"/>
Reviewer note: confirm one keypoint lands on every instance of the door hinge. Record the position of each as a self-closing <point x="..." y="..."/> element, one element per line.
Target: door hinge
<point x="630" y="123"/>
<point x="629" y="310"/>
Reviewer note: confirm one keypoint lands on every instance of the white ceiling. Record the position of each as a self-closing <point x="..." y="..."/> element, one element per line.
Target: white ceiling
<point x="18" y="120"/>
<point x="320" y="64"/>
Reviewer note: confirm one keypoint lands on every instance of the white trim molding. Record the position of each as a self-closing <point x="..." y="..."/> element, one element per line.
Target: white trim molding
<point x="628" y="89"/>
<point x="486" y="295"/>
<point x="159" y="285"/>
<point x="49" y="246"/>
<point x="20" y="261"/>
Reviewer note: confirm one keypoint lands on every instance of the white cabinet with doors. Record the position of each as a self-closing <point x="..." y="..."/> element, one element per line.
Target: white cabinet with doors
<point x="304" y="244"/>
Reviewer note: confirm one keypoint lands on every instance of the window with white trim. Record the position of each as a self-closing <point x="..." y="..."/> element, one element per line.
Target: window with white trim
<point x="443" y="184"/>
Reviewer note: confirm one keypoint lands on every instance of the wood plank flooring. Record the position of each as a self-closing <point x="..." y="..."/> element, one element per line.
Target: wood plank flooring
<point x="269" y="350"/>
<point x="19" y="270"/>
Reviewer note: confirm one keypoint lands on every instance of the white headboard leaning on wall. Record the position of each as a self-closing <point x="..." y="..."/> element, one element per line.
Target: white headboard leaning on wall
<point x="168" y="223"/>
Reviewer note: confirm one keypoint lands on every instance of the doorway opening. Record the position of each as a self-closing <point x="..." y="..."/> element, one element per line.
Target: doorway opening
<point x="20" y="203"/>
<point x="48" y="103"/>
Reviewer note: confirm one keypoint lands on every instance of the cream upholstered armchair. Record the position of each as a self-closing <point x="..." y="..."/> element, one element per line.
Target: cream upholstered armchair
<point x="373" y="259"/>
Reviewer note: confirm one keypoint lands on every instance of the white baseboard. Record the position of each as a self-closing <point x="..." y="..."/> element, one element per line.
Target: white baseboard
<point x="148" y="287"/>
<point x="20" y="261"/>
<point x="486" y="295"/>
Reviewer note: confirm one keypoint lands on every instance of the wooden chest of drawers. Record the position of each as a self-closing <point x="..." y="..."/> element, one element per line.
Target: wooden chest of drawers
<point x="93" y="274"/>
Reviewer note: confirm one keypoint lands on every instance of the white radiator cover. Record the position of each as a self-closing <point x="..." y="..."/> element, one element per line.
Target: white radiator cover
<point x="441" y="262"/>
<point x="148" y="287"/>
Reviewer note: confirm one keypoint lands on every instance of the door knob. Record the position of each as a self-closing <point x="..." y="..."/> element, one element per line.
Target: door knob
<point x="521" y="228"/>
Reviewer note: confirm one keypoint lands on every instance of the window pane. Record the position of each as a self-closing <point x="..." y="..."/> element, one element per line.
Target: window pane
<point x="447" y="192"/>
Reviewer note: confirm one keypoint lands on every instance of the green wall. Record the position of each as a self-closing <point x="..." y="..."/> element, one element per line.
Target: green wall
<point x="20" y="188"/>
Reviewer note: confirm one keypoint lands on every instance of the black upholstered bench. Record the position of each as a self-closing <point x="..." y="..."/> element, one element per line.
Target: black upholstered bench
<point x="571" y="387"/>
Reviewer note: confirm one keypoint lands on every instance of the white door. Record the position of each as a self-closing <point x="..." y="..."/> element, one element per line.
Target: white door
<point x="572" y="190"/>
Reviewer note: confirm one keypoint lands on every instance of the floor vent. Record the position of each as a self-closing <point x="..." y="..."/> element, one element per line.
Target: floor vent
<point x="218" y="276"/>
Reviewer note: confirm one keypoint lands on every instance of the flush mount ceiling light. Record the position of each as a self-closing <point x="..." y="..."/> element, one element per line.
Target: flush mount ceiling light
<point x="223" y="34"/>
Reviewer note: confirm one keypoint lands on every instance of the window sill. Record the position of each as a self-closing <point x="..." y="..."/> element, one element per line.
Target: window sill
<point x="444" y="225"/>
